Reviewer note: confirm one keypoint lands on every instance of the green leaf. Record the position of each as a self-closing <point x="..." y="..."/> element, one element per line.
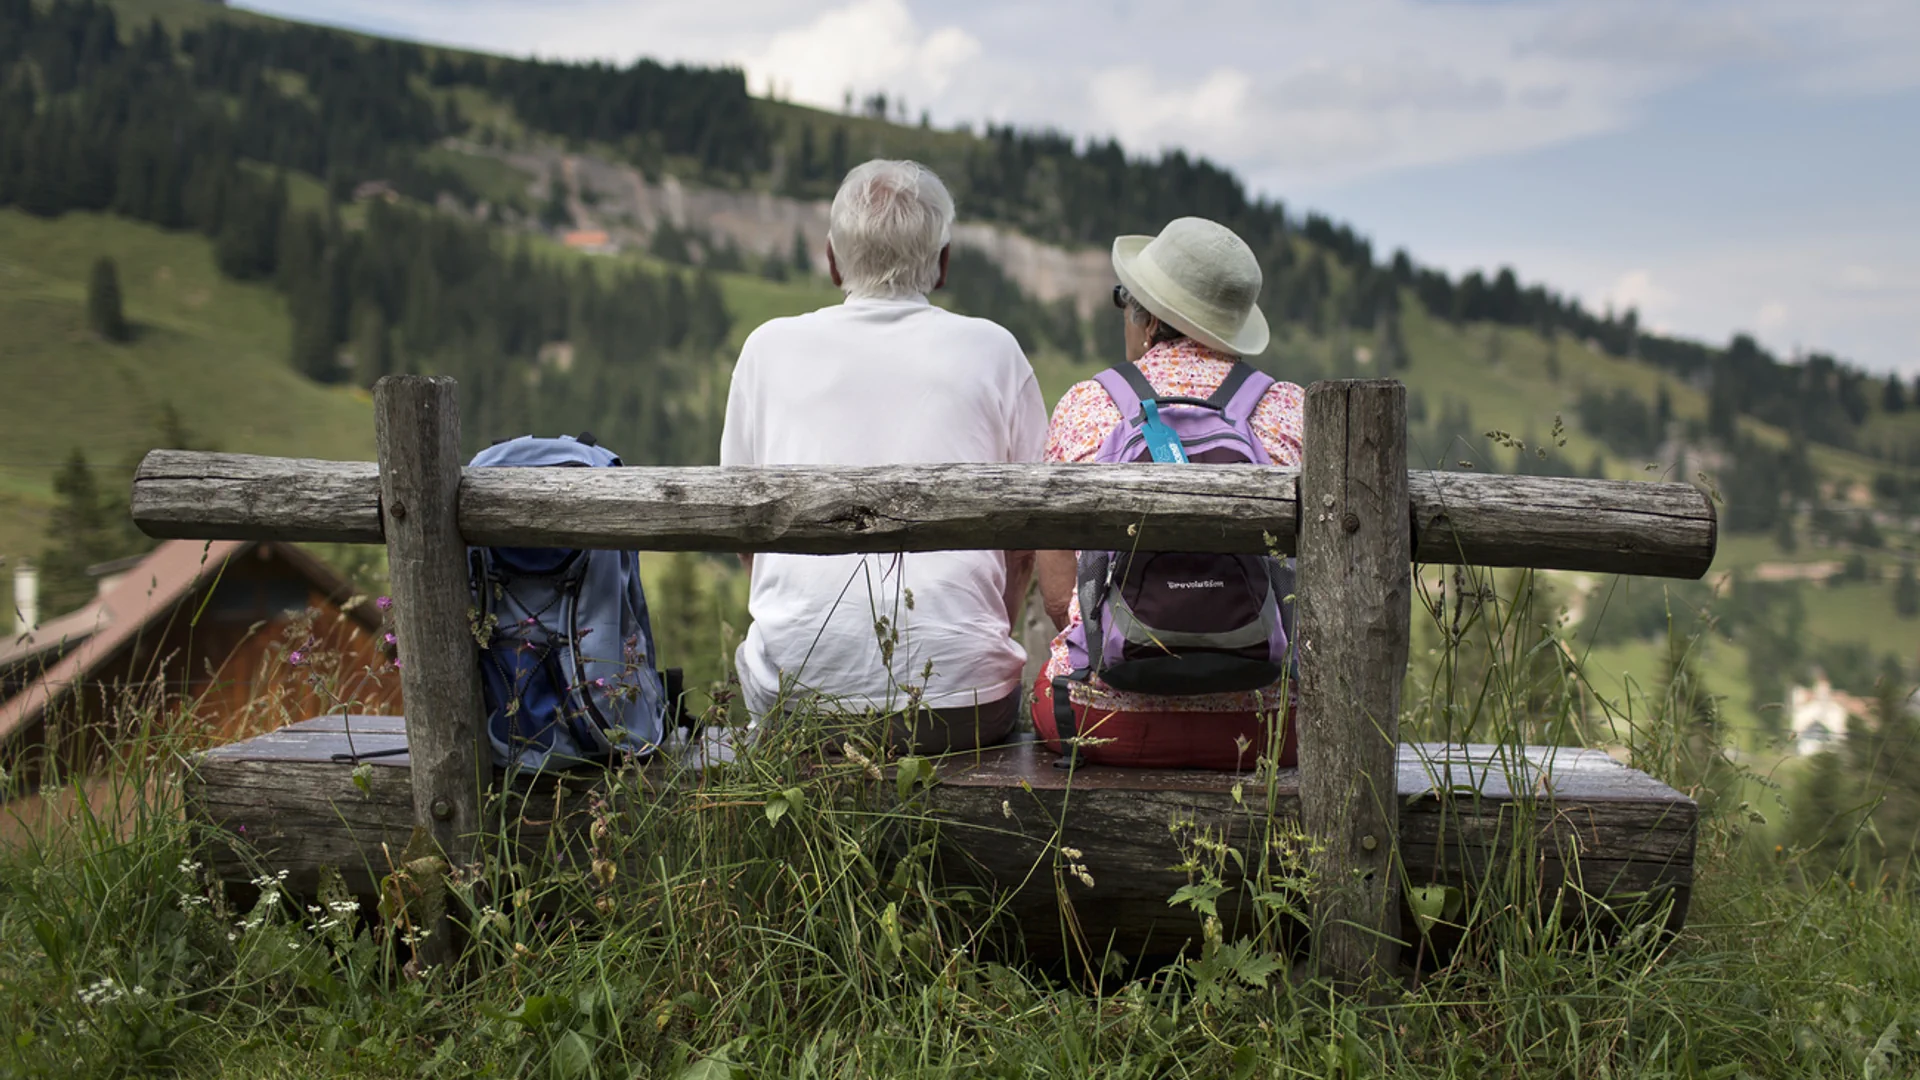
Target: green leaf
<point x="776" y="809"/>
<point x="1253" y="968"/>
<point x="718" y="1065"/>
<point x="911" y="770"/>
<point x="539" y="1011"/>
<point x="695" y="1002"/>
<point x="363" y="778"/>
<point x="1433" y="904"/>
<point x="571" y="1057"/>
<point x="1200" y="897"/>
<point x="708" y="1068"/>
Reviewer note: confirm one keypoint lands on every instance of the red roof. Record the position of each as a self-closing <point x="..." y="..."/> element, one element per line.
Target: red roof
<point x="146" y="595"/>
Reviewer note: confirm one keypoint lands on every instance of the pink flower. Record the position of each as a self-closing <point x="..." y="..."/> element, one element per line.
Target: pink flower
<point x="390" y="638"/>
<point x="296" y="658"/>
<point x="385" y="603"/>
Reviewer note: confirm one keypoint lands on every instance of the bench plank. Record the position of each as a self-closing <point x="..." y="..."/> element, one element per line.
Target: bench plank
<point x="1584" y="818"/>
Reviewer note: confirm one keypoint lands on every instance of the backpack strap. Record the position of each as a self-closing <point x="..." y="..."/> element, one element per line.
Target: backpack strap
<point x="1240" y="392"/>
<point x="1128" y="388"/>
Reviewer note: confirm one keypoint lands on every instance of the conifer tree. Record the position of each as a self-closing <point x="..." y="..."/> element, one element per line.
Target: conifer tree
<point x="105" y="316"/>
<point x="81" y="533"/>
<point x="802" y="257"/>
<point x="1906" y="593"/>
<point x="707" y="319"/>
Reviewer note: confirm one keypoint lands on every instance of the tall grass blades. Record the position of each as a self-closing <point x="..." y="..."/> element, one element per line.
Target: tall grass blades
<point x="787" y="915"/>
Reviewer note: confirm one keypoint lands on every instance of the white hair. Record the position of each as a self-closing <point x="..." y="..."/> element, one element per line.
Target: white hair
<point x="889" y="221"/>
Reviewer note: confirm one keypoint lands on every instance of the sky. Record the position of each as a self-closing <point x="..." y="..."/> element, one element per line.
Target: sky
<point x="1721" y="165"/>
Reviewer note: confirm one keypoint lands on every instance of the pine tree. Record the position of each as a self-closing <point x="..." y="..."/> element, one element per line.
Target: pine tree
<point x="669" y="244"/>
<point x="1894" y="398"/>
<point x="105" y="316"/>
<point x="1784" y="537"/>
<point x="707" y="319"/>
<point x="81" y="533"/>
<point x="1906" y="593"/>
<point x="802" y="256"/>
<point x="372" y="344"/>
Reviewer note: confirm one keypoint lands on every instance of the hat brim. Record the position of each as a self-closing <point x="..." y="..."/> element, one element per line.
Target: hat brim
<point x="1247" y="339"/>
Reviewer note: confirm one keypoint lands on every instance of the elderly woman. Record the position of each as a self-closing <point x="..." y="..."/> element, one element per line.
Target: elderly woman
<point x="1198" y="640"/>
<point x="920" y="645"/>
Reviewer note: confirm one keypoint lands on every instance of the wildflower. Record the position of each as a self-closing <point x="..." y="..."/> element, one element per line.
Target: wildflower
<point x="385" y="603"/>
<point x="390" y="638"/>
<point x="296" y="658"/>
<point x="1006" y="809"/>
<point x="1072" y="852"/>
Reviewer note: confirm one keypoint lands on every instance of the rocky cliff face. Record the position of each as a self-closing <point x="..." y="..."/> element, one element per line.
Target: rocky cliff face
<point x="619" y="199"/>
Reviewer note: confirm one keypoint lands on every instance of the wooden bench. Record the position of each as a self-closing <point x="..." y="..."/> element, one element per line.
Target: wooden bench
<point x="1597" y="829"/>
<point x="1352" y="512"/>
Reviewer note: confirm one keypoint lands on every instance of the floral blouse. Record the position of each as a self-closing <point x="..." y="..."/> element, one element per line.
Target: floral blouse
<point x="1081" y="421"/>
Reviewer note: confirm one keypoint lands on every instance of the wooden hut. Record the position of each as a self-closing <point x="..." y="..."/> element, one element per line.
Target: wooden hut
<point x="204" y="641"/>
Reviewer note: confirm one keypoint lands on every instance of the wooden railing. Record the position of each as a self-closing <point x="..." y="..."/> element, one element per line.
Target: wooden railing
<point x="1353" y="514"/>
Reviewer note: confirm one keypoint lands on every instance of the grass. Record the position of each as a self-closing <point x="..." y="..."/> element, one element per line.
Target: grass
<point x="711" y="936"/>
<point x="214" y="348"/>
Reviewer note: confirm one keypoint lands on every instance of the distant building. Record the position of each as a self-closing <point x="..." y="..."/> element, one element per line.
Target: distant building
<point x="199" y="638"/>
<point x="1817" y="715"/>
<point x="591" y="241"/>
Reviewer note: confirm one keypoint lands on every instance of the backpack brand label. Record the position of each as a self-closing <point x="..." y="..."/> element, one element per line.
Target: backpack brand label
<point x="1201" y="583"/>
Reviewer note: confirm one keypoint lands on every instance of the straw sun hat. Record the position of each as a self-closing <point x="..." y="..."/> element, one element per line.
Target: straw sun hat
<point x="1199" y="277"/>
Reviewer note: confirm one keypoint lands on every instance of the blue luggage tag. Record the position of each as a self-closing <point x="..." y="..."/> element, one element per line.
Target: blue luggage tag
<point x="1162" y="442"/>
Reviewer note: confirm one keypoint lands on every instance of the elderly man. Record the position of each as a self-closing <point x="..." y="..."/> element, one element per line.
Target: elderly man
<point x="921" y="644"/>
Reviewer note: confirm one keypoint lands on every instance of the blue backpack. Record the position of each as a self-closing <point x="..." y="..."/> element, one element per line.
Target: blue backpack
<point x="567" y="664"/>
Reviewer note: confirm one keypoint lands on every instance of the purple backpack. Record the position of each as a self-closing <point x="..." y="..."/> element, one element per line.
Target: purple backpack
<point x="1179" y="623"/>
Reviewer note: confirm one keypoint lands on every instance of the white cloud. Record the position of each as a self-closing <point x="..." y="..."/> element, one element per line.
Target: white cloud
<point x="1302" y="98"/>
<point x="1635" y="289"/>
<point x="866" y="46"/>
<point x="1771" y="318"/>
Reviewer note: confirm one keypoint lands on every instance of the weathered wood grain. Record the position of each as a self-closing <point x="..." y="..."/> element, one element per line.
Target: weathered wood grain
<point x="1603" y="526"/>
<point x="417" y="432"/>
<point x="198" y="495"/>
<point x="1596" y="827"/>
<point x="1355" y="599"/>
<point x="1596" y="525"/>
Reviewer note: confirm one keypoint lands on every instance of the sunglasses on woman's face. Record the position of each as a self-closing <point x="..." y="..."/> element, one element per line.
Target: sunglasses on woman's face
<point x="1121" y="296"/>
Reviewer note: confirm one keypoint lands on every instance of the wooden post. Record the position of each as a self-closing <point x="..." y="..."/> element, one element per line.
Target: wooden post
<point x="417" y="432"/>
<point x="1355" y="599"/>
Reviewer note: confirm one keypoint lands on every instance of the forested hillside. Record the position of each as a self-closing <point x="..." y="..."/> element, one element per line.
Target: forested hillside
<point x="324" y="190"/>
